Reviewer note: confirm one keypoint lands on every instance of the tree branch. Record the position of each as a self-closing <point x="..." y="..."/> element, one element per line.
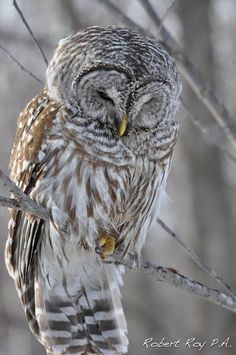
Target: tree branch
<point x="10" y="203"/>
<point x="25" y="202"/>
<point x="31" y="208"/>
<point x="175" y="279"/>
<point x="30" y="32"/>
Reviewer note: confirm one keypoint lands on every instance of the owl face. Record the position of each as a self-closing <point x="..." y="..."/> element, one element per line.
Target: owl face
<point x="115" y="77"/>
<point x="111" y="96"/>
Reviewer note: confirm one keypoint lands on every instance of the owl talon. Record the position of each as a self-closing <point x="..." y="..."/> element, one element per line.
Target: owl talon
<point x="105" y="246"/>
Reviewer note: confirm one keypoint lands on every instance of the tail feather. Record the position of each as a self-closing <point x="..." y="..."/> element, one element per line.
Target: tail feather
<point x="104" y="316"/>
<point x="79" y="310"/>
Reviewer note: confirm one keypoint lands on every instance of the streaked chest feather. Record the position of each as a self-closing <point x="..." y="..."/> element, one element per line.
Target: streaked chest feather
<point x="89" y="197"/>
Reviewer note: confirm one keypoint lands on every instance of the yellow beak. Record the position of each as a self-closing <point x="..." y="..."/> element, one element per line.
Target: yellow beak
<point x="122" y="126"/>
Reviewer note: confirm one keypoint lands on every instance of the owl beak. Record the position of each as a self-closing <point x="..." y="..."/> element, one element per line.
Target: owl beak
<point x="121" y="128"/>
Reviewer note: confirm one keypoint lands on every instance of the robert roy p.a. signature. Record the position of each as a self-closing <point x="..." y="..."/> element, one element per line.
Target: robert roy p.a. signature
<point x="191" y="343"/>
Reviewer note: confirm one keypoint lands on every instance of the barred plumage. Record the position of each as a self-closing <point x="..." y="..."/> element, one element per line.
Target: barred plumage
<point x="94" y="148"/>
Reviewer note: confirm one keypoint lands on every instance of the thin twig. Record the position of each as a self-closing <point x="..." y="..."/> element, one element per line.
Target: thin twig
<point x="195" y="79"/>
<point x="25" y="201"/>
<point x="196" y="258"/>
<point x="19" y="64"/>
<point x="168" y="10"/>
<point x="206" y="132"/>
<point x="30" y="32"/>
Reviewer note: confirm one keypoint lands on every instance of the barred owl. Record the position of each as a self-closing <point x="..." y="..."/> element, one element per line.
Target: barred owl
<point x="94" y="148"/>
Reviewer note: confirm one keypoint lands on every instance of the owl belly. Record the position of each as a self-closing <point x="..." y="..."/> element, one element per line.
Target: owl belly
<point x="88" y="200"/>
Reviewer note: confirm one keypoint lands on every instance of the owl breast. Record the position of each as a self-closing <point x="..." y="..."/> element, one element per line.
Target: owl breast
<point x="88" y="196"/>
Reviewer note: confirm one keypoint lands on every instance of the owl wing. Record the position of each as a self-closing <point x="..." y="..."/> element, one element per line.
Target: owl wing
<point x="25" y="231"/>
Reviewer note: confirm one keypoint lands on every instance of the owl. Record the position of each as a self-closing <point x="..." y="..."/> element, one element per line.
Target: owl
<point x="94" y="149"/>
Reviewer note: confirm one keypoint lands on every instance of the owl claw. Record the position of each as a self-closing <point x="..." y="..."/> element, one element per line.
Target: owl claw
<point x="105" y="246"/>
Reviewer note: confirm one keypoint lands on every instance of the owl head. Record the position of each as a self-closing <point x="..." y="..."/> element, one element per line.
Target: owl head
<point x="117" y="77"/>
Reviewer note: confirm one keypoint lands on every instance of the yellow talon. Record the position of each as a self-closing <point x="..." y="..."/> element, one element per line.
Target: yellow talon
<point x="101" y="241"/>
<point x="106" y="245"/>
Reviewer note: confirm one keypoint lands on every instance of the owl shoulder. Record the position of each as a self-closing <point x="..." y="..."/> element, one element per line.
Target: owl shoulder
<point x="32" y="123"/>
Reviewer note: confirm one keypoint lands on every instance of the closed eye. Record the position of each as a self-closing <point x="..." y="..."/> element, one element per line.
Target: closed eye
<point x="149" y="100"/>
<point x="105" y="97"/>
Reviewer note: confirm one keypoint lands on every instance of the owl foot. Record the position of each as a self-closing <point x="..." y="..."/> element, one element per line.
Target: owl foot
<point x="105" y="246"/>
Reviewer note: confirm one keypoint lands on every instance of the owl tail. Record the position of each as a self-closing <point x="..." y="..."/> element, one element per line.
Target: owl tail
<point x="83" y="313"/>
<point x="100" y="304"/>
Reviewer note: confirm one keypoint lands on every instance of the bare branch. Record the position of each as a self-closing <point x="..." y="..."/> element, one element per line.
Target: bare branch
<point x="196" y="258"/>
<point x="20" y="65"/>
<point x="173" y="278"/>
<point x="30" y="32"/>
<point x="195" y="79"/>
<point x="10" y="203"/>
<point x="25" y="201"/>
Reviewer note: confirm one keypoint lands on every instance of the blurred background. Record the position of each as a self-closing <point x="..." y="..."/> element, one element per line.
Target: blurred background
<point x="202" y="187"/>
